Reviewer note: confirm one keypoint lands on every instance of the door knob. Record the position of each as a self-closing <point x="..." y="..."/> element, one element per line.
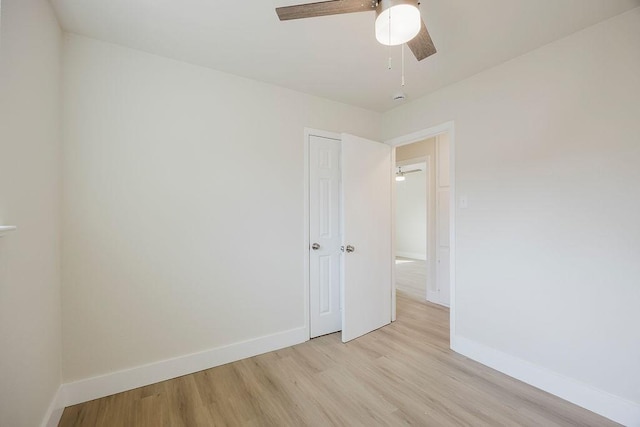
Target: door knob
<point x="350" y="249"/>
<point x="315" y="246"/>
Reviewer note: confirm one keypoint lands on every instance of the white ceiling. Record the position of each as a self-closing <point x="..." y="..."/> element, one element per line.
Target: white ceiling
<point x="335" y="57"/>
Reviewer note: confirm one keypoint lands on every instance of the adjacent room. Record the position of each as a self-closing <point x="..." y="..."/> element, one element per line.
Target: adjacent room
<point x="345" y="212"/>
<point x="411" y="229"/>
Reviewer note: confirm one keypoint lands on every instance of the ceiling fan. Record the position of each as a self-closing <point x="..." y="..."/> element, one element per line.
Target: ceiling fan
<point x="400" y="175"/>
<point x="397" y="21"/>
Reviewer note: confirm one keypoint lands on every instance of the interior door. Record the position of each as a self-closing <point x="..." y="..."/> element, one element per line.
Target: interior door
<point x="325" y="236"/>
<point x="367" y="257"/>
<point x="443" y="207"/>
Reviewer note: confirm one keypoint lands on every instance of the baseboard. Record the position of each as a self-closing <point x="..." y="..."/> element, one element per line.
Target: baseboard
<point x="434" y="297"/>
<point x="601" y="402"/>
<point x="412" y="255"/>
<point x="56" y="407"/>
<point x="116" y="382"/>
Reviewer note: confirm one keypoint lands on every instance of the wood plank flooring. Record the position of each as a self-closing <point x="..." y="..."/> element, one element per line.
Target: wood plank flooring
<point x="402" y="374"/>
<point x="411" y="277"/>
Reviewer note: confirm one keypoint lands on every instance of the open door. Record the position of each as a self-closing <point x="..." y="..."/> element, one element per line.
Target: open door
<point x="367" y="257"/>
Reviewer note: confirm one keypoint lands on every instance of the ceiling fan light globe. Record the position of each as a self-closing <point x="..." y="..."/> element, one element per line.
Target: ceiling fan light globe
<point x="398" y="23"/>
<point x="400" y="178"/>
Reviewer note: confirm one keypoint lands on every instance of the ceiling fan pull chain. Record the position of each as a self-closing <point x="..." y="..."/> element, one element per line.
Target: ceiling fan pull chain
<point x="402" y="48"/>
<point x="389" y="27"/>
<point x="389" y="39"/>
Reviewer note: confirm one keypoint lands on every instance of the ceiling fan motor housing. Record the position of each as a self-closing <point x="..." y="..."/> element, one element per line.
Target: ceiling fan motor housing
<point x="397" y="21"/>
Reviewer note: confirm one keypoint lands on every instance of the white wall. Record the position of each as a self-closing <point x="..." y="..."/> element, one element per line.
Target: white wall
<point x="547" y="150"/>
<point x="30" y="336"/>
<point x="171" y="248"/>
<point x="411" y="216"/>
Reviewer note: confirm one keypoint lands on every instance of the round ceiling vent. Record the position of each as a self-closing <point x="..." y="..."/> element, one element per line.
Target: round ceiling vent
<point x="399" y="97"/>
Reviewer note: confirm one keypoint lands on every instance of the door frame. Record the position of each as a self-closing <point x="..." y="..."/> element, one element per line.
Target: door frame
<point x="428" y="161"/>
<point x="308" y="132"/>
<point x="449" y="128"/>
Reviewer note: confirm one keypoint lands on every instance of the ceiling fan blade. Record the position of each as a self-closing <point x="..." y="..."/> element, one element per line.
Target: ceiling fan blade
<point x="422" y="45"/>
<point x="323" y="8"/>
<point x="412" y="171"/>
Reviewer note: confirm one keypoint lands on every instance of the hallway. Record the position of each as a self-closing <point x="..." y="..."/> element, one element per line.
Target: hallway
<point x="411" y="277"/>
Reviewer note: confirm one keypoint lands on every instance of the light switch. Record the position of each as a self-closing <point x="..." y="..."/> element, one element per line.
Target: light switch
<point x="464" y="202"/>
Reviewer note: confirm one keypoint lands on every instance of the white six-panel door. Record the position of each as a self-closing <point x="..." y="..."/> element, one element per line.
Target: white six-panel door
<point x="325" y="233"/>
<point x="366" y="187"/>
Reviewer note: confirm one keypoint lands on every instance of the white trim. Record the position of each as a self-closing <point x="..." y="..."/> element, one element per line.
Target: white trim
<point x="434" y="297"/>
<point x="308" y="132"/>
<point x="430" y="230"/>
<point x="413" y="255"/>
<point x="447" y="127"/>
<point x="413" y="161"/>
<point x="56" y="407"/>
<point x="393" y="236"/>
<point x="421" y="134"/>
<point x="116" y="382"/>
<point x="452" y="227"/>
<point x="610" y="406"/>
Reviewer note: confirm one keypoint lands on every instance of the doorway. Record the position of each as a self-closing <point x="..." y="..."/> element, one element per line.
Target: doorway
<point x="439" y="271"/>
<point x="422" y="219"/>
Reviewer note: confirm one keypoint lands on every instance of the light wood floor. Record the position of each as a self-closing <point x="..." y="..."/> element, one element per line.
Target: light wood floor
<point x="402" y="374"/>
<point x="411" y="277"/>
